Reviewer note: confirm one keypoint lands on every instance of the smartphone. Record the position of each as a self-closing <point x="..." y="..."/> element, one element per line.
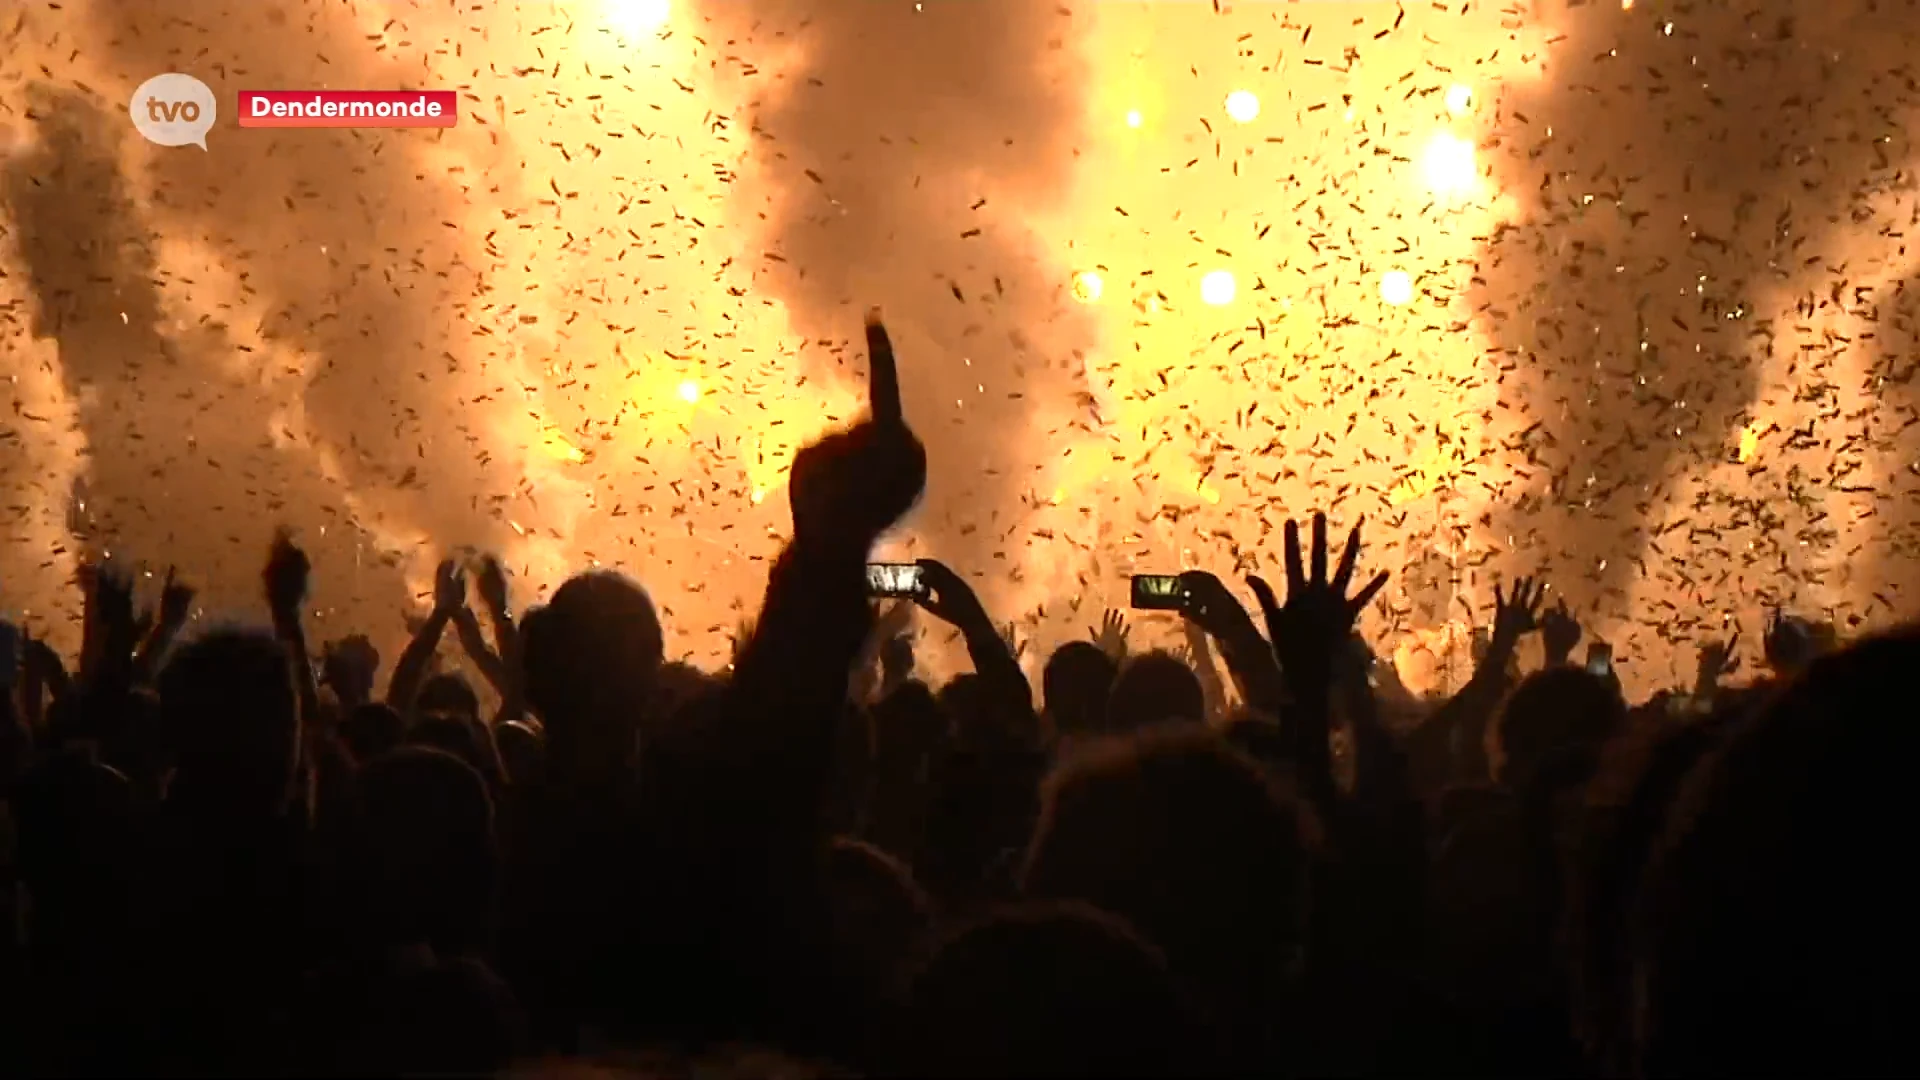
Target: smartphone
<point x="1158" y="592"/>
<point x="1600" y="658"/>
<point x="889" y="579"/>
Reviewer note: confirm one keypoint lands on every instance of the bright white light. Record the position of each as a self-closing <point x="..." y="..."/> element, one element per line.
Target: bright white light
<point x="1396" y="287"/>
<point x="1218" y="287"/>
<point x="1087" y="286"/>
<point x="1448" y="165"/>
<point x="1133" y="118"/>
<point x="1242" y="106"/>
<point x="635" y="18"/>
<point x="689" y="391"/>
<point x="1459" y="99"/>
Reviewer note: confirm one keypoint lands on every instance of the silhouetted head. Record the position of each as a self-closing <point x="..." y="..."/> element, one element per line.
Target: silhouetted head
<point x="879" y="916"/>
<point x="1554" y="710"/>
<point x="73" y="822"/>
<point x="349" y="666"/>
<point x="228" y="703"/>
<point x="1260" y="737"/>
<point x="728" y="1063"/>
<point x="1776" y="933"/>
<point x="456" y="735"/>
<point x="908" y="724"/>
<point x="373" y="729"/>
<point x="1628" y="804"/>
<point x="1075" y="684"/>
<point x="592" y="655"/>
<point x="522" y="750"/>
<point x="1153" y="688"/>
<point x="454" y="1017"/>
<point x="1191" y="842"/>
<point x="447" y="693"/>
<point x="1050" y="990"/>
<point x="964" y="699"/>
<point x="426" y="847"/>
<point x="676" y="684"/>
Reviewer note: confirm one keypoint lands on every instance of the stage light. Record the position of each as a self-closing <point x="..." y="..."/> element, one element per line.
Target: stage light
<point x="1396" y="287"/>
<point x="1448" y="165"/>
<point x="1087" y="286"/>
<point x="1242" y="106"/>
<point x="634" y="18"/>
<point x="1218" y="288"/>
<point x="1459" y="99"/>
<point x="689" y="391"/>
<point x="1133" y="118"/>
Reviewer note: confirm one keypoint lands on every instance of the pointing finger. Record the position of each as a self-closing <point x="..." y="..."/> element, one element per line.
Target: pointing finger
<point x="883" y="377"/>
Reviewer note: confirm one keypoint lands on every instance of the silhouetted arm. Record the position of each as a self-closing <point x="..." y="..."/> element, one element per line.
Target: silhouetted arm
<point x="410" y="670"/>
<point x="287" y="578"/>
<point x="1213" y="689"/>
<point x="473" y="642"/>
<point x="788" y="693"/>
<point x="954" y="602"/>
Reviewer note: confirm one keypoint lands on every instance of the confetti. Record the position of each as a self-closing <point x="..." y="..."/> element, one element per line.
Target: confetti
<point x="1612" y="294"/>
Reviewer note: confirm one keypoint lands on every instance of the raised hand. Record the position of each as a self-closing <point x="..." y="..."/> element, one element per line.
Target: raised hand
<point x="286" y="577"/>
<point x="349" y="666"/>
<point x="1211" y="605"/>
<point x="1560" y="633"/>
<point x="1518" y="614"/>
<point x="896" y="660"/>
<point x="111" y="627"/>
<point x="1790" y="643"/>
<point x="156" y="634"/>
<point x="1311" y="628"/>
<point x="742" y="633"/>
<point x="948" y="597"/>
<point x="491" y="584"/>
<point x="1212" y="612"/>
<point x="1111" y="635"/>
<point x="1010" y="634"/>
<point x="176" y="601"/>
<point x="112" y="590"/>
<point x="853" y="485"/>
<point x="1717" y="660"/>
<point x="449" y="588"/>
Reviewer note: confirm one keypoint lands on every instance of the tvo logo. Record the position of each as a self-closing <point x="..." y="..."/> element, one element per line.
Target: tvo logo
<point x="173" y="110"/>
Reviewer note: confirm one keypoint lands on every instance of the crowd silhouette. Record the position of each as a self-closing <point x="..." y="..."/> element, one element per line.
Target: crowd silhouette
<point x="232" y="853"/>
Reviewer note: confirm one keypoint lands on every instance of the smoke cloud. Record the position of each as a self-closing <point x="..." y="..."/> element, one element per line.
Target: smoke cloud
<point x="1686" y="172"/>
<point x="899" y="156"/>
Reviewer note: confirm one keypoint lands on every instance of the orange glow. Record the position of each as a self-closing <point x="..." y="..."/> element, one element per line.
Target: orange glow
<point x="1275" y="290"/>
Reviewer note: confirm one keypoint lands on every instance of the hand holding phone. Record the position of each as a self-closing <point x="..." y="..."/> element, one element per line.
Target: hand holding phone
<point x="1600" y="658"/>
<point x="1158" y="592"/>
<point x="895" y="581"/>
